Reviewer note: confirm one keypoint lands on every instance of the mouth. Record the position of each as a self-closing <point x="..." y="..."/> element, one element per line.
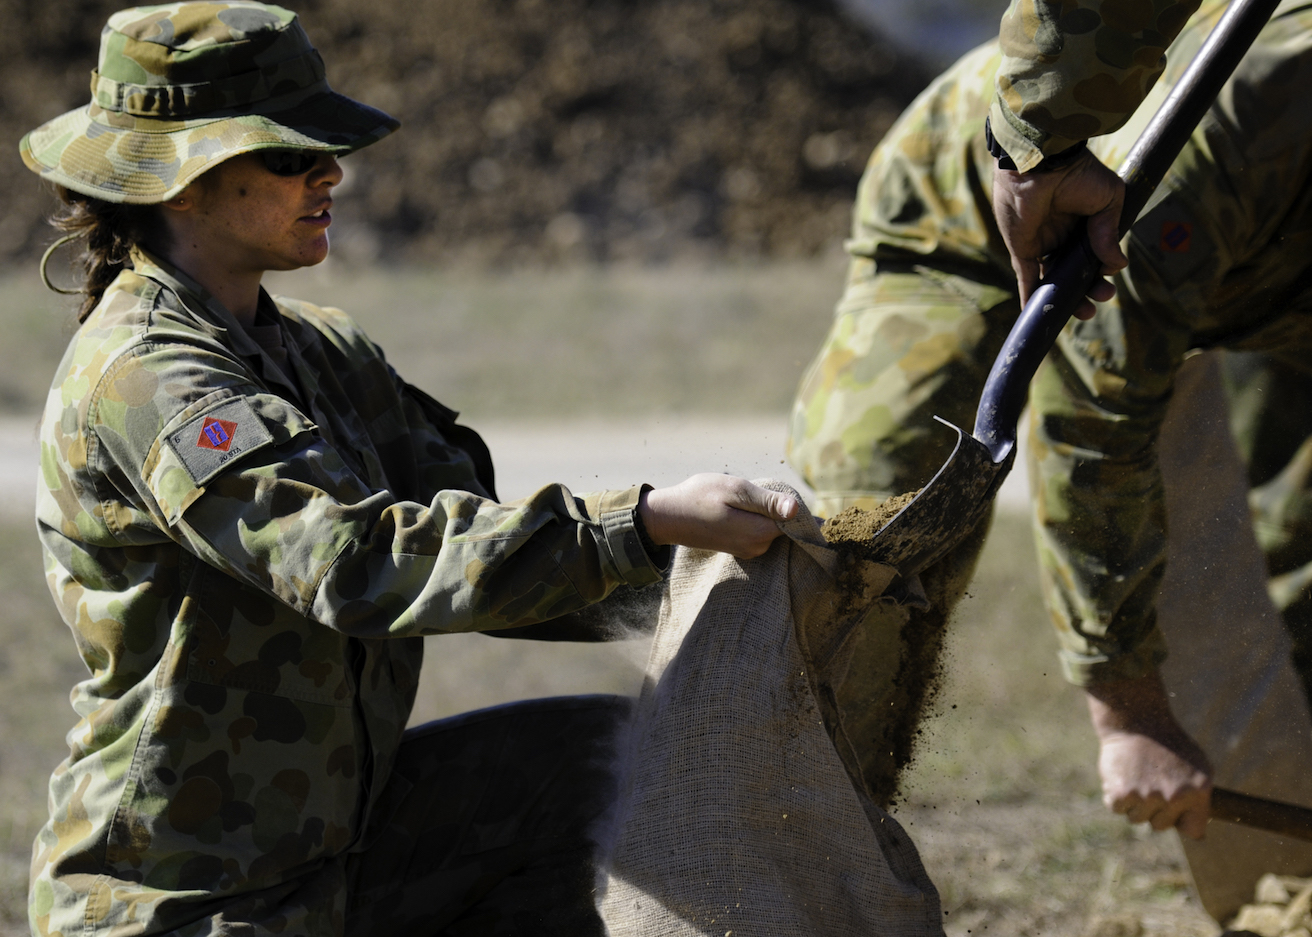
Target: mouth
<point x="320" y="216"/>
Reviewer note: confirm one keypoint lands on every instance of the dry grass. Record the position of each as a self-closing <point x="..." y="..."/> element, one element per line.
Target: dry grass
<point x="594" y="340"/>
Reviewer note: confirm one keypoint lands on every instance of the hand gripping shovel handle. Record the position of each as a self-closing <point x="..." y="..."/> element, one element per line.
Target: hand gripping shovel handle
<point x="1260" y="813"/>
<point x="1073" y="268"/>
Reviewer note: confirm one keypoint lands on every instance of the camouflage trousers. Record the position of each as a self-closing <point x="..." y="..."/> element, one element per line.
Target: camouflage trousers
<point x="913" y="343"/>
<point x="905" y="347"/>
<point x="484" y="826"/>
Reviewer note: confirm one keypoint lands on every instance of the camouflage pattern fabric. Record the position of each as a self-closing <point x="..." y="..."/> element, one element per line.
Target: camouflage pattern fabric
<point x="1223" y="259"/>
<point x="929" y="299"/>
<point x="1077" y="69"/>
<point x="183" y="86"/>
<point x="247" y="557"/>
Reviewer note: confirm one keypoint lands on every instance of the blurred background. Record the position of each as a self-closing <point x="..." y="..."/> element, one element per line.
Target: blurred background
<point x="537" y="131"/>
<point x="609" y="232"/>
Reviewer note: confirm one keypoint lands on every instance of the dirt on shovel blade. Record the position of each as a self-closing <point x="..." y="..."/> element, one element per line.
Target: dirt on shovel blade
<point x="853" y="529"/>
<point x="884" y="720"/>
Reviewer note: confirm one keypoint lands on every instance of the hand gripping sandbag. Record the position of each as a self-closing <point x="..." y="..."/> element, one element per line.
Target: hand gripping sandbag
<point x="738" y="811"/>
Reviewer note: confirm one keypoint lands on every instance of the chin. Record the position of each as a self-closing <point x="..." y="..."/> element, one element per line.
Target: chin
<point x="304" y="258"/>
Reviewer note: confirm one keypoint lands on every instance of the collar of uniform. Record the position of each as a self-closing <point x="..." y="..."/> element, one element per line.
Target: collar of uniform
<point x="200" y="302"/>
<point x="212" y="315"/>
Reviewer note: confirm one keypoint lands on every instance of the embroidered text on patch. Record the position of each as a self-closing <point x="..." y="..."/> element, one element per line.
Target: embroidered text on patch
<point x="216" y="434"/>
<point x="209" y="441"/>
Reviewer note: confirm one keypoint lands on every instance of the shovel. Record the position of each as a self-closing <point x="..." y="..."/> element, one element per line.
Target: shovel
<point x="959" y="495"/>
<point x="1271" y="815"/>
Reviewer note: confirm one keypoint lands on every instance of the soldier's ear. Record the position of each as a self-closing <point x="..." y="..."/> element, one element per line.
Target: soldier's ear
<point x="187" y="199"/>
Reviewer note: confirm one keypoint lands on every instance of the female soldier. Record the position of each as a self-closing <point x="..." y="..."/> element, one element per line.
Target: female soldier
<point x="249" y="520"/>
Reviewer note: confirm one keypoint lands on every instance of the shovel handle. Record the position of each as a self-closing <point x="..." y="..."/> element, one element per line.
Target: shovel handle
<point x="1271" y="815"/>
<point x="1072" y="268"/>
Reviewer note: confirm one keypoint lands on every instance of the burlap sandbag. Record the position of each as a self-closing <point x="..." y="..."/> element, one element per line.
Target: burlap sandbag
<point x="737" y="813"/>
<point x="1233" y="686"/>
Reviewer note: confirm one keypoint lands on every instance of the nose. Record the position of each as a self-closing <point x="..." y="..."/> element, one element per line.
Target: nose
<point x="326" y="172"/>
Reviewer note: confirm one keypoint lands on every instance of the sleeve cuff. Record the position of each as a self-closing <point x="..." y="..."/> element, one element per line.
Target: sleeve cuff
<point x="1027" y="147"/>
<point x="1086" y="670"/>
<point x="618" y="516"/>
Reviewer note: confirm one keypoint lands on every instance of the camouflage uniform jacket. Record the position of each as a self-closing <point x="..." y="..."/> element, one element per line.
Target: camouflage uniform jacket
<point x="1222" y="259"/>
<point x="1074" y="69"/>
<point x="247" y="561"/>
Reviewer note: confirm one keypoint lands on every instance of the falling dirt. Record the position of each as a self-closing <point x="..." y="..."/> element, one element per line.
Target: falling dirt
<point x="882" y="717"/>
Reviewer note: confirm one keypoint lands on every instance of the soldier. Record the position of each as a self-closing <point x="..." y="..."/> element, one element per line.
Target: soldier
<point x="249" y="520"/>
<point x="1219" y="262"/>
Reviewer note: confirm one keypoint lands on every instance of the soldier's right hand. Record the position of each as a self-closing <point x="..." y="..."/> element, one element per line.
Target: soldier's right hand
<point x="1037" y="210"/>
<point x="716" y="512"/>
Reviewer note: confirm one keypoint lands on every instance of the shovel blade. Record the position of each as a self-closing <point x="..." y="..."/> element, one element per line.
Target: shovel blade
<point x="947" y="509"/>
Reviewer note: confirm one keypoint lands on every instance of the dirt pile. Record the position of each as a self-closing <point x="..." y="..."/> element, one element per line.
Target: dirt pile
<point x="1282" y="907"/>
<point x="542" y="130"/>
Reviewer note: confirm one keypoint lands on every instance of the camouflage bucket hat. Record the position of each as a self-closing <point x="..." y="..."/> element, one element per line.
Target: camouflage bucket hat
<point x="183" y="86"/>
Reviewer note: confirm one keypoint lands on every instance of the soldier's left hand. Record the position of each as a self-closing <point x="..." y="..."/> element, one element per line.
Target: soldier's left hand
<point x="716" y="512"/>
<point x="1151" y="770"/>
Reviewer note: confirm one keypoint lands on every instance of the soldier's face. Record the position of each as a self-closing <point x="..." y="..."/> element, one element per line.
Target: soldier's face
<point x="257" y="219"/>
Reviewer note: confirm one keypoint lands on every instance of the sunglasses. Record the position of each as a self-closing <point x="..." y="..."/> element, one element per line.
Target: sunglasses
<point x="289" y="162"/>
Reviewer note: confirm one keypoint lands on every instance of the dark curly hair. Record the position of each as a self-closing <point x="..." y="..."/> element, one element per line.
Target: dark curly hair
<point x="110" y="230"/>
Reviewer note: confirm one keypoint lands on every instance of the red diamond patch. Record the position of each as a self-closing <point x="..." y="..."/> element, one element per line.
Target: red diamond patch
<point x="216" y="434"/>
<point x="1177" y="237"/>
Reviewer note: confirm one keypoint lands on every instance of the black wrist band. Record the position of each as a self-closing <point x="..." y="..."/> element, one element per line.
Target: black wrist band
<point x="995" y="148"/>
<point x="659" y="555"/>
<point x="1047" y="164"/>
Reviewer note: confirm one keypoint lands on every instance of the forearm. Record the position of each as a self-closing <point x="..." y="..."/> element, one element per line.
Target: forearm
<point x="625" y="613"/>
<point x="1099" y="503"/>
<point x="379" y="567"/>
<point x="1074" y="71"/>
<point x="1139" y="704"/>
<point x="1151" y="770"/>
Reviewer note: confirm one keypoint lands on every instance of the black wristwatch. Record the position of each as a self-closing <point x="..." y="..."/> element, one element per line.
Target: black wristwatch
<point x="1047" y="164"/>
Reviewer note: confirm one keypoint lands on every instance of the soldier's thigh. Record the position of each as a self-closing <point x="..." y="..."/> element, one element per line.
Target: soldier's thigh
<point x="484" y="826"/>
<point x="904" y="348"/>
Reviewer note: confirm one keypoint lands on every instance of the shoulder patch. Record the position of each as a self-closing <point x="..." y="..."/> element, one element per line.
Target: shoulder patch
<point x="208" y="442"/>
<point x="1177" y="247"/>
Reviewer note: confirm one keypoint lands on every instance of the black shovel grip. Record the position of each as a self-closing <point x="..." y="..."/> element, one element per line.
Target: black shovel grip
<point x="1262" y="814"/>
<point x="1073" y="268"/>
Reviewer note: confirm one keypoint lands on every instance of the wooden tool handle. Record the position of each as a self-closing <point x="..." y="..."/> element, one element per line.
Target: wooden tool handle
<point x="1260" y="813"/>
